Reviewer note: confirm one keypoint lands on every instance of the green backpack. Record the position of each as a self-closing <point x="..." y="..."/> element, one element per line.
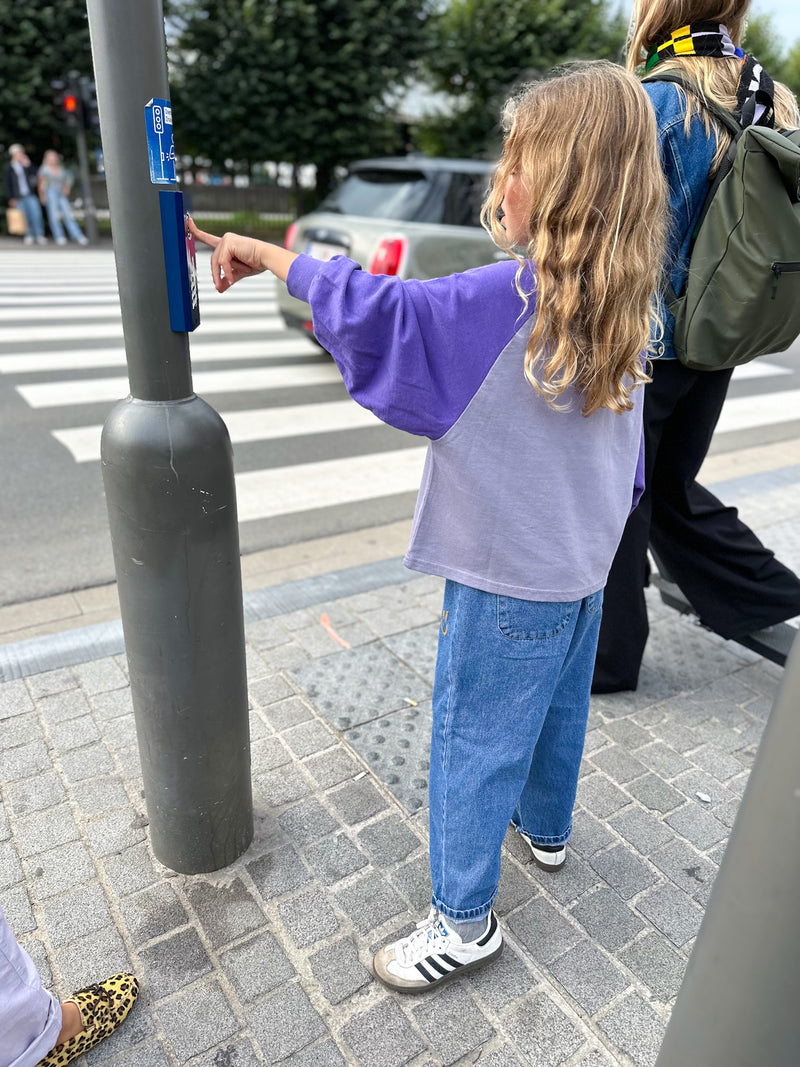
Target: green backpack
<point x="742" y="294"/>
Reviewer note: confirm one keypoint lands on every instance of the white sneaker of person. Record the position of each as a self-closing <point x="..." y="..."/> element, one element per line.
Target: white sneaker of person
<point x="61" y="240"/>
<point x="41" y="241"/>
<point x="28" y="239"/>
<point x="551" y="858"/>
<point x="434" y="953"/>
<point x="83" y="241"/>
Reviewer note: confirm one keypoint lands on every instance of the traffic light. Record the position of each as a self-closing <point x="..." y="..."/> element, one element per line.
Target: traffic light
<point x="67" y="106"/>
<point x="91" y="119"/>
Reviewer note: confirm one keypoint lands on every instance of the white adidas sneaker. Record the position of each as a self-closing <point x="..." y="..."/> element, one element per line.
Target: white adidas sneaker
<point x="433" y="954"/>
<point x="546" y="858"/>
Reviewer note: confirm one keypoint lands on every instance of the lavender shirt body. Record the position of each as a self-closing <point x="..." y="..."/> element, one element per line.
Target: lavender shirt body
<point x="516" y="498"/>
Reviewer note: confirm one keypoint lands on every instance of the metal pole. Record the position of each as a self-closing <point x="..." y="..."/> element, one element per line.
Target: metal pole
<point x="738" y="1004"/>
<point x="168" y="475"/>
<point x="89" y="213"/>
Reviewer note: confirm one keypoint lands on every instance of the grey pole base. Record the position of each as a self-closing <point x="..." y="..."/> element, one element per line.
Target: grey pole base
<point x="168" y="475"/>
<point x="739" y="1004"/>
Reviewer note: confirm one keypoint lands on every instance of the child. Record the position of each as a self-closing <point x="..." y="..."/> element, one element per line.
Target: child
<point x="525" y="376"/>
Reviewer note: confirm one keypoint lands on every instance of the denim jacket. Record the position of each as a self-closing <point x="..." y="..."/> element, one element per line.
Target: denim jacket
<point x="686" y="162"/>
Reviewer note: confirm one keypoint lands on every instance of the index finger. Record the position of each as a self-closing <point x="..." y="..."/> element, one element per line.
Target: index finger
<point x="205" y="238"/>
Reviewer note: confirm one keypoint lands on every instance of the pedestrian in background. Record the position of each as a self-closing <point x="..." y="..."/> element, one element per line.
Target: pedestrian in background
<point x="21" y="191"/>
<point x="526" y="377"/>
<point x="730" y="578"/>
<point x="36" y="1029"/>
<point x="55" y="183"/>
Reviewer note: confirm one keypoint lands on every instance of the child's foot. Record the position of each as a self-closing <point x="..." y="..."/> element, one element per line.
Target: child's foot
<point x="433" y="954"/>
<point x="548" y="857"/>
<point x="101" y="1009"/>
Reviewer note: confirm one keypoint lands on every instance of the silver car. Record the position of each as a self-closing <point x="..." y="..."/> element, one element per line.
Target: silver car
<point x="413" y="217"/>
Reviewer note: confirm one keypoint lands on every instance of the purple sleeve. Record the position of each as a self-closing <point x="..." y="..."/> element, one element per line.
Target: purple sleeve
<point x="413" y="352"/>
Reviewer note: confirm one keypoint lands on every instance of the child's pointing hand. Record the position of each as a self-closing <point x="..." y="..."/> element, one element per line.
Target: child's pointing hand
<point x="234" y="257"/>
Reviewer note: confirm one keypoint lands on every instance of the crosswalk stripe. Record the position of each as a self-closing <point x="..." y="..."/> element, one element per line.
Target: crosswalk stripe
<point x="93" y="390"/>
<point x="16" y="334"/>
<point x="260" y="424"/>
<point x="66" y="359"/>
<point x="748" y="412"/>
<point x="285" y="490"/>
<point x="759" y="368"/>
<point x="109" y="309"/>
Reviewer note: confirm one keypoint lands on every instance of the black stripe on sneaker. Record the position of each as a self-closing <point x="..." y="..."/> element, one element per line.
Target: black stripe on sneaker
<point x="433" y="962"/>
<point x="424" y="973"/>
<point x="450" y="960"/>
<point x="490" y="932"/>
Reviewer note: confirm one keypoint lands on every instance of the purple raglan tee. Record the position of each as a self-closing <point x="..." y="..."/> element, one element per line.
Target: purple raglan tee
<point x="517" y="498"/>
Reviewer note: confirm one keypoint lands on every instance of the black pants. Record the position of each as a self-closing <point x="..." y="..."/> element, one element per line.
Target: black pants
<point x="732" y="581"/>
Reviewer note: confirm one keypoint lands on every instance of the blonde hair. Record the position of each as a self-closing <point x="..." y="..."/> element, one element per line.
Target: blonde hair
<point x="653" y="21"/>
<point x="584" y="144"/>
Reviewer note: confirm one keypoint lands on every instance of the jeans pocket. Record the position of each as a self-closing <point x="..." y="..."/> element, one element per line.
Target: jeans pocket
<point x="533" y="620"/>
<point x="594" y="602"/>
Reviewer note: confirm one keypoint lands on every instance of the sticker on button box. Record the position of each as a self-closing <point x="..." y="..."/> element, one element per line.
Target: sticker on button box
<point x="160" y="146"/>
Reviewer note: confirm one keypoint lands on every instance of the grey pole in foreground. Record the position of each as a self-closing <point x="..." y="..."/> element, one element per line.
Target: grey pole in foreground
<point x="739" y="1005"/>
<point x="168" y="475"/>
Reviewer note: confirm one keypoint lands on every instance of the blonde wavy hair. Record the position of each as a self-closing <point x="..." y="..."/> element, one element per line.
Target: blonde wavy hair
<point x="652" y="22"/>
<point x="584" y="144"/>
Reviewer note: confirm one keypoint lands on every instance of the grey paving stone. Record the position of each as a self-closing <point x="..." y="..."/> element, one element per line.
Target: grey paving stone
<point x="257" y="966"/>
<point x="61" y="869"/>
<point x="14" y="699"/>
<point x="196" y="1019"/>
<point x="131" y="1042"/>
<point x="697" y="781"/>
<point x="357" y="801"/>
<point x="516" y="887"/>
<point x="681" y="738"/>
<point x="24" y="761"/>
<point x="607" y="919"/>
<point x="17" y="908"/>
<point x="130" y="870"/>
<point x="87" y="763"/>
<point x="662" y="759"/>
<point x="396" y="748"/>
<point x="48" y="682"/>
<point x="672" y="912"/>
<point x="413" y="880"/>
<point x="283" y="785"/>
<point x="543" y="931"/>
<point x="504" y="1056"/>
<point x="10" y="867"/>
<point x="74" y="733"/>
<point x="308" y="738"/>
<point x="684" y="866"/>
<point x="716" y="762"/>
<point x="635" y="1028"/>
<point x="657" y="964"/>
<point x="590" y="977"/>
<point x="120" y="733"/>
<point x="365" y="684"/>
<point x="33" y="794"/>
<point x="382" y="1036"/>
<point x="152" y="912"/>
<point x="542" y="1032"/>
<point x="173" y="963"/>
<point x="266" y="633"/>
<point x="96" y="795"/>
<point x="149" y="1054"/>
<point x="278" y="872"/>
<point x="44" y="830"/>
<point x="389" y="841"/>
<point x="21" y="730"/>
<point x="285" y="657"/>
<point x="226" y="912"/>
<point x="269" y="690"/>
<point x="644" y="831"/>
<point x="627" y="734"/>
<point x="453" y="1023"/>
<point x="698" y="826"/>
<point x="618" y="764"/>
<point x="63" y="706"/>
<point x="338" y="970"/>
<point x="307" y="917"/>
<point x="332" y="767"/>
<point x="307" y="821"/>
<point x="38" y="953"/>
<point x="129" y="761"/>
<point x="568" y="884"/>
<point x="726" y="813"/>
<point x="624" y="871"/>
<point x="417" y="648"/>
<point x="333" y="858"/>
<point x="600" y="796"/>
<point x="115" y="830"/>
<point x="285" y="1023"/>
<point x="655" y="794"/>
<point x="113" y="704"/>
<point x="503" y="981"/>
<point x="325" y="1054"/>
<point x="589" y="835"/>
<point x="99" y="676"/>
<point x="267" y="754"/>
<point x="369" y="902"/>
<point x="5" y="829"/>
<point x="291" y="711"/>
<point x="94" y="955"/>
<point x="237" y="1053"/>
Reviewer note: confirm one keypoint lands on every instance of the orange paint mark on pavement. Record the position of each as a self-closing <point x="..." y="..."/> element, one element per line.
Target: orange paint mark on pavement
<point x="326" y="625"/>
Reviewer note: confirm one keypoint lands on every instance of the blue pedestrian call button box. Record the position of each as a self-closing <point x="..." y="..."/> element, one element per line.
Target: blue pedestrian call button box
<point x="180" y="263"/>
<point x="160" y="148"/>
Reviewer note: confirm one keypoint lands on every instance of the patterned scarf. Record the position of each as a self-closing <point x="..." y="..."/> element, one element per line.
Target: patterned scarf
<point x="754" y="97"/>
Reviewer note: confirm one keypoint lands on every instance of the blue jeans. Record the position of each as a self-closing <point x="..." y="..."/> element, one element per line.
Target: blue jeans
<point x="33" y="214"/>
<point x="57" y="209"/>
<point x="510" y="704"/>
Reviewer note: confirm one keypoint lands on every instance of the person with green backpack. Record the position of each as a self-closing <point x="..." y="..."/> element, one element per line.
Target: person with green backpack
<point x="733" y="169"/>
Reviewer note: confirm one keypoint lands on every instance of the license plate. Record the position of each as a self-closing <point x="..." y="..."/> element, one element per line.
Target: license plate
<point x="323" y="251"/>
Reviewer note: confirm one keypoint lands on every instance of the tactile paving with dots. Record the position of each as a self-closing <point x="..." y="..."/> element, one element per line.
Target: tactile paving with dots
<point x="417" y="648"/>
<point x="397" y="749"/>
<point x="349" y="688"/>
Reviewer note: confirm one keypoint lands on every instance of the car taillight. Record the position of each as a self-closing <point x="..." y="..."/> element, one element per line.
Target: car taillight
<point x="388" y="256"/>
<point x="291" y="233"/>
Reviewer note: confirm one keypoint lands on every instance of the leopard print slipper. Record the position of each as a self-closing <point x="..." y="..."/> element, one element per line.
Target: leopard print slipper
<point x="103" y="1007"/>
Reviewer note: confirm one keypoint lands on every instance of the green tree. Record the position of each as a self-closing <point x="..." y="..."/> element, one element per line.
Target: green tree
<point x="764" y="42"/>
<point x="302" y="81"/>
<point x="791" y="69"/>
<point x="483" y="48"/>
<point x="39" y="43"/>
